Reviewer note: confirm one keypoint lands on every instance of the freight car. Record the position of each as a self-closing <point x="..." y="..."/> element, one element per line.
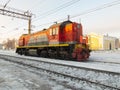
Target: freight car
<point x="63" y="40"/>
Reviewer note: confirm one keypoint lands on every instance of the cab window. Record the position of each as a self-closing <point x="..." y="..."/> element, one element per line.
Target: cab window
<point x="54" y="31"/>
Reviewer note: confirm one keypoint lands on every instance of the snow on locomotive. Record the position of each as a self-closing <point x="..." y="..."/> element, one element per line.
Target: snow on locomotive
<point x="61" y="40"/>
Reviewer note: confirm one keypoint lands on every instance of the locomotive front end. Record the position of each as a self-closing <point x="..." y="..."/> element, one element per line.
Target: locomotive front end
<point x="81" y="50"/>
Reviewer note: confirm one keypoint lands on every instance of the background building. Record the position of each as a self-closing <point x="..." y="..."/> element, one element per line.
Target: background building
<point x="110" y="43"/>
<point x="95" y="41"/>
<point x="102" y="42"/>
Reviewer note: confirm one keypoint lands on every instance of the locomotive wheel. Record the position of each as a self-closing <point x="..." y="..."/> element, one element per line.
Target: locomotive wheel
<point x="44" y="54"/>
<point x="26" y="52"/>
<point x="23" y="52"/>
<point x="20" y="52"/>
<point x="38" y="52"/>
<point x="64" y="56"/>
<point x="53" y="54"/>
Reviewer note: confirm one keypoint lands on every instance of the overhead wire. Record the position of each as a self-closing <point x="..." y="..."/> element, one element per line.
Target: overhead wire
<point x="98" y="8"/>
<point x="6" y="3"/>
<point x="89" y="11"/>
<point x="63" y="6"/>
<point x="36" y="5"/>
<point x="31" y="7"/>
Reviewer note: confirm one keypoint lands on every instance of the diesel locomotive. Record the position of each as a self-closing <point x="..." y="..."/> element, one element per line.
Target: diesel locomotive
<point x="63" y="40"/>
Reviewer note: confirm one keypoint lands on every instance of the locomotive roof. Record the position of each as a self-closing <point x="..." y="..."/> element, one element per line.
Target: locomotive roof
<point x="55" y="25"/>
<point x="24" y="34"/>
<point x="60" y="24"/>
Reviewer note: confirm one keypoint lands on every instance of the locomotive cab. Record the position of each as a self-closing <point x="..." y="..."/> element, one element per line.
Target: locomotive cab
<point x="70" y="32"/>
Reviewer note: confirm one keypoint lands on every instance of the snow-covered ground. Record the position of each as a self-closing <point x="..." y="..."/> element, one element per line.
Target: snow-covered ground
<point x="103" y="56"/>
<point x="106" y="56"/>
<point x="13" y="77"/>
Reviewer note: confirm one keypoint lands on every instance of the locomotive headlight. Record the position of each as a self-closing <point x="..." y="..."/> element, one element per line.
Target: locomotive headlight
<point x="78" y="45"/>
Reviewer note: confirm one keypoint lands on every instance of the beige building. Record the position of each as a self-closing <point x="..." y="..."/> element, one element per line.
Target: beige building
<point x="102" y="42"/>
<point x="95" y="41"/>
<point x="109" y="43"/>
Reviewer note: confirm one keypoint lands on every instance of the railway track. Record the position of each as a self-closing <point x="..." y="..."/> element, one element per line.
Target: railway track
<point x="75" y="77"/>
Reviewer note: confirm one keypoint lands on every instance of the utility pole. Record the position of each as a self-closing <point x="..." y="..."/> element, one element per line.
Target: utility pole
<point x="17" y="14"/>
<point x="29" y="25"/>
<point x="7" y="3"/>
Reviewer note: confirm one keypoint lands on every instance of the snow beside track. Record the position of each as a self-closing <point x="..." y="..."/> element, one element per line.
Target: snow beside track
<point x="105" y="56"/>
<point x="13" y="77"/>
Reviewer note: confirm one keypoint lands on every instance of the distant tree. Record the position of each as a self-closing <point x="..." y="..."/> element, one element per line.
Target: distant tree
<point x="4" y="44"/>
<point x="9" y="44"/>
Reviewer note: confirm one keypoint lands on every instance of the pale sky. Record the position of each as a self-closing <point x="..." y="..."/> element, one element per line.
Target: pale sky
<point x="105" y="20"/>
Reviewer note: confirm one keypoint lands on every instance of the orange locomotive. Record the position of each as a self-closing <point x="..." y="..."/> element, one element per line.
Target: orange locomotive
<point x="61" y="40"/>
